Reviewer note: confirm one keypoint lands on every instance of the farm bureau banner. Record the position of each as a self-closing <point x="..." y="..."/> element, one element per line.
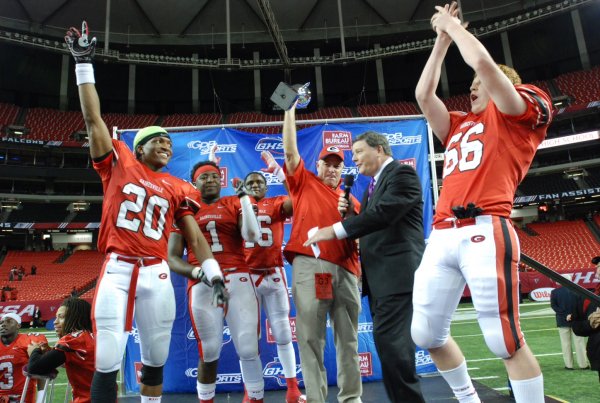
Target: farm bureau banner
<point x="240" y="154"/>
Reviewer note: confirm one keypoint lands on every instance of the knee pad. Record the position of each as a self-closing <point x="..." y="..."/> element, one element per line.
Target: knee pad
<point x="155" y="347"/>
<point x="108" y="347"/>
<point x="210" y="349"/>
<point x="282" y="331"/>
<point x="151" y="376"/>
<point x="247" y="346"/>
<point x="424" y="334"/>
<point x="496" y="343"/>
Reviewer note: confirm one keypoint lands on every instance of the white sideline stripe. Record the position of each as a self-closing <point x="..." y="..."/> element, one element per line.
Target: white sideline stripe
<point x="498" y="358"/>
<point x="485" y="377"/>
<point x="521" y="317"/>
<point x="528" y="331"/>
<point x="502" y="388"/>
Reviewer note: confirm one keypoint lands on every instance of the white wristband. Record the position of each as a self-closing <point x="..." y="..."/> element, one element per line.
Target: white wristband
<point x="211" y="269"/>
<point x="84" y="72"/>
<point x="280" y="174"/>
<point x="196" y="272"/>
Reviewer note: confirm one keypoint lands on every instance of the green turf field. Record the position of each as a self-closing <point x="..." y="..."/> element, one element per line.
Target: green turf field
<point x="537" y="321"/>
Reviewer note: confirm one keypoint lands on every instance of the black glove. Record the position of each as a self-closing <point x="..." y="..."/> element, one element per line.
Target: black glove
<point x="220" y="296"/>
<point x="81" y="48"/>
<point x="240" y="188"/>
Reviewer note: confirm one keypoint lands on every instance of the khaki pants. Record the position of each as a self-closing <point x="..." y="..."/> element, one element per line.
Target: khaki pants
<point x="566" y="335"/>
<point x="311" y="322"/>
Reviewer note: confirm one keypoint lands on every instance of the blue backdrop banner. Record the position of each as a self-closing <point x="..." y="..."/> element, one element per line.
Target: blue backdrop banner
<point x="240" y="154"/>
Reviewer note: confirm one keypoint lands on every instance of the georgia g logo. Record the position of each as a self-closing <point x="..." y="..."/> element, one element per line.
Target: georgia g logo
<point x="477" y="238"/>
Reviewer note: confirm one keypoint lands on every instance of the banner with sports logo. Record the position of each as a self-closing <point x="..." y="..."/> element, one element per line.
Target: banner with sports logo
<point x="240" y="154"/>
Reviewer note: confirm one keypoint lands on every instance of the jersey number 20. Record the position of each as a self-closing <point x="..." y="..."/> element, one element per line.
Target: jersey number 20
<point x="154" y="202"/>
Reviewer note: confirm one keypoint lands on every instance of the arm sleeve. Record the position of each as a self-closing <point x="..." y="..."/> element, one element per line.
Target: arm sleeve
<point x="250" y="228"/>
<point x="42" y="364"/>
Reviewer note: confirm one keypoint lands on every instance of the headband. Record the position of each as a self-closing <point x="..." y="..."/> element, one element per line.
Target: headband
<point x="203" y="169"/>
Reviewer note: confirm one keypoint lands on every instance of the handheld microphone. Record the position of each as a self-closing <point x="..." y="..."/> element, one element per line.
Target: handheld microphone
<point x="348" y="182"/>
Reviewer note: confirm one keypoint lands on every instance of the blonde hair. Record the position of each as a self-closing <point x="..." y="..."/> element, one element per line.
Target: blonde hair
<point x="509" y="72"/>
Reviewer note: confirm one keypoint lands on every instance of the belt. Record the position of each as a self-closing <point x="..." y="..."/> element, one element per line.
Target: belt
<point x="457" y="223"/>
<point x="137" y="262"/>
<point x="262" y="273"/>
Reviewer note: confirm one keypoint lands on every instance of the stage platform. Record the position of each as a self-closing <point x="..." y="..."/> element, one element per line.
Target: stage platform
<point x="434" y="389"/>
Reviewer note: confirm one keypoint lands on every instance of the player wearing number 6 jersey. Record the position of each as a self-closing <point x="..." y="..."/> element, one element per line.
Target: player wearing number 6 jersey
<point x="139" y="208"/>
<point x="268" y="274"/>
<point x="488" y="152"/>
<point x="226" y="222"/>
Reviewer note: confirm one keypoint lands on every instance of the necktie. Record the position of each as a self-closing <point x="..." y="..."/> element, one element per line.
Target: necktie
<point x="371" y="187"/>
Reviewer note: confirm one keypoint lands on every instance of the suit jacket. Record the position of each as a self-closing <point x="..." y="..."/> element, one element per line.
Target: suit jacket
<point x="390" y="228"/>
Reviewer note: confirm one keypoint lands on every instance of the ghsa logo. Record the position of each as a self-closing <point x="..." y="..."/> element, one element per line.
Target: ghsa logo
<point x="274" y="370"/>
<point x="226" y="335"/>
<point x="271" y="144"/>
<point x="350" y="171"/>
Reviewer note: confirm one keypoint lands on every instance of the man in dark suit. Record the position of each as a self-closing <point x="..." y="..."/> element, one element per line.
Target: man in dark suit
<point x="390" y="229"/>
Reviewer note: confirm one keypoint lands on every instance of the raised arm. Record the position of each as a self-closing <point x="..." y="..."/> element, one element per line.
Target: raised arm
<point x="83" y="50"/>
<point x="493" y="80"/>
<point x="290" y="143"/>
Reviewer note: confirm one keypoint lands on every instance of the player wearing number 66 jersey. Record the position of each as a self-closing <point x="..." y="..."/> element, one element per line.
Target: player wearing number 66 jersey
<point x="140" y="206"/>
<point x="488" y="152"/>
<point x="226" y="222"/>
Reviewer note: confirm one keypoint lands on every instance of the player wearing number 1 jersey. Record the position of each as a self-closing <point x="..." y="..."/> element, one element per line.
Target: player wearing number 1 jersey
<point x="139" y="208"/>
<point x="226" y="222"/>
<point x="13" y="358"/>
<point x="488" y="152"/>
<point x="268" y="274"/>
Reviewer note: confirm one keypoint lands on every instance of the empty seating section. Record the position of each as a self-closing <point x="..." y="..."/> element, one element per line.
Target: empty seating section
<point x="8" y="114"/>
<point x="542" y="85"/>
<point x="251" y="117"/>
<point x="53" y="280"/>
<point x="125" y="121"/>
<point x="201" y="119"/>
<point x="39" y="212"/>
<point x="563" y="246"/>
<point x="458" y="103"/>
<point x="582" y="86"/>
<point x="391" y="109"/>
<point x="546" y="184"/>
<point x="52" y="124"/>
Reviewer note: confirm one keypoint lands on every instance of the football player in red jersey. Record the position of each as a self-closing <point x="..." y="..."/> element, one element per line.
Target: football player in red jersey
<point x="75" y="348"/>
<point x="140" y="205"/>
<point x="266" y="268"/>
<point x="488" y="152"/>
<point x="226" y="223"/>
<point x="14" y="357"/>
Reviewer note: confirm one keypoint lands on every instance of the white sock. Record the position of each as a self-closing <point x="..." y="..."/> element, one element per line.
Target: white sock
<point x="206" y="391"/>
<point x="253" y="377"/>
<point x="287" y="357"/>
<point x="461" y="384"/>
<point x="151" y="399"/>
<point x="529" y="390"/>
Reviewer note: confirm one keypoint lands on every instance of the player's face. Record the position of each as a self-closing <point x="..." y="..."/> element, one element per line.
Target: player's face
<point x="209" y="185"/>
<point x="256" y="185"/>
<point x="329" y="170"/>
<point x="60" y="321"/>
<point x="479" y="96"/>
<point x="366" y="158"/>
<point x="9" y="327"/>
<point x="156" y="152"/>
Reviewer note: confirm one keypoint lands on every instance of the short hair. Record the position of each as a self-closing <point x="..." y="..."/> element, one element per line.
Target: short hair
<point x="509" y="72"/>
<point x="374" y="139"/>
<point x="255" y="173"/>
<point x="78" y="316"/>
<point x="201" y="164"/>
